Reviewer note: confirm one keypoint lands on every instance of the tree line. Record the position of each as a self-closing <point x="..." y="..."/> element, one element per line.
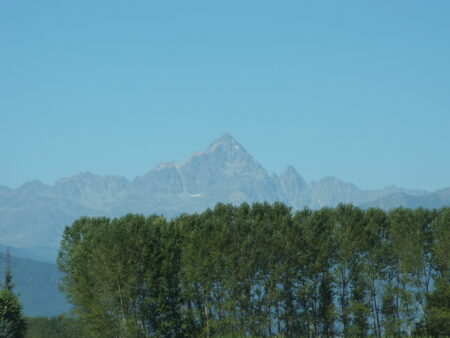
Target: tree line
<point x="261" y="270"/>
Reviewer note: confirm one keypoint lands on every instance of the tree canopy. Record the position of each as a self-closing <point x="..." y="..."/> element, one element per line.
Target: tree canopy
<point x="261" y="270"/>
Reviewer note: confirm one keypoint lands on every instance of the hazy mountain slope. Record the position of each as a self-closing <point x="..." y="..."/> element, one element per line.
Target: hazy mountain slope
<point x="33" y="219"/>
<point x="36" y="283"/>
<point x="4" y="189"/>
<point x="437" y="199"/>
<point x="91" y="191"/>
<point x="330" y="191"/>
<point x="24" y="253"/>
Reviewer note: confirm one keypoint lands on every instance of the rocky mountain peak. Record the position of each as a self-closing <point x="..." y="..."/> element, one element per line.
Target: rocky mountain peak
<point x="290" y="173"/>
<point x="224" y="157"/>
<point x="224" y="166"/>
<point x="295" y="190"/>
<point x="226" y="143"/>
<point x="34" y="186"/>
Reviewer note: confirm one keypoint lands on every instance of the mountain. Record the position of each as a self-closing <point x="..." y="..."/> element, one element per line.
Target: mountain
<point x="437" y="199"/>
<point x="91" y="191"/>
<point x="33" y="216"/>
<point x="36" y="284"/>
<point x="224" y="172"/>
<point x="331" y="191"/>
<point x="295" y="191"/>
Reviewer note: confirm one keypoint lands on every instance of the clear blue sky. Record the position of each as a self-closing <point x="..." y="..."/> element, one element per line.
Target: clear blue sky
<point x="354" y="89"/>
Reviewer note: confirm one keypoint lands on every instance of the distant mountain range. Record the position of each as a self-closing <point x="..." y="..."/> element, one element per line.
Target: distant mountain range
<point x="32" y="217"/>
<point x="36" y="284"/>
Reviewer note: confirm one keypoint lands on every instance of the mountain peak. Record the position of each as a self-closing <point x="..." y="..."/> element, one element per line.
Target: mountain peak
<point x="226" y="141"/>
<point x="84" y="174"/>
<point x="226" y="137"/>
<point x="291" y="178"/>
<point x="290" y="171"/>
<point x="35" y="186"/>
<point x="32" y="184"/>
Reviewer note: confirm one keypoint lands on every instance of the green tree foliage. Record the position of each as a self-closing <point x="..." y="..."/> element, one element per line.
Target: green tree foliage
<point x="53" y="327"/>
<point x="260" y="270"/>
<point x="438" y="310"/>
<point x="437" y="320"/>
<point x="122" y="276"/>
<point x="12" y="323"/>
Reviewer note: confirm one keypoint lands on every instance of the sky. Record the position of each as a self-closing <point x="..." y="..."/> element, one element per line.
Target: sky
<point x="354" y="89"/>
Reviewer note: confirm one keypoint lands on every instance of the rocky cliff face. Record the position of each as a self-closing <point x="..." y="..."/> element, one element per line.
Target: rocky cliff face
<point x="35" y="214"/>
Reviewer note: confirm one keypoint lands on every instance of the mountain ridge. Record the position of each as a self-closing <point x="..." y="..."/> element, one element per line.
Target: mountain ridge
<point x="34" y="214"/>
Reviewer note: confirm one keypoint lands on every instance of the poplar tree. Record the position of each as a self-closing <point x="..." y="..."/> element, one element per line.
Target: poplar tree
<point x="261" y="270"/>
<point x="437" y="315"/>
